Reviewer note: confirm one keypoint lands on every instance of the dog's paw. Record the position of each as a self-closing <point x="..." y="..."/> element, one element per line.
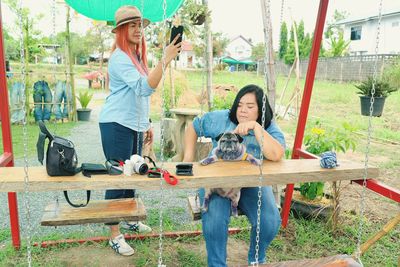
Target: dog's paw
<point x="255" y="161"/>
<point x="207" y="161"/>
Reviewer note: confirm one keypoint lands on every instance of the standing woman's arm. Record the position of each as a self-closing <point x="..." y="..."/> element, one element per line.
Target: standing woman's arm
<point x="171" y="51"/>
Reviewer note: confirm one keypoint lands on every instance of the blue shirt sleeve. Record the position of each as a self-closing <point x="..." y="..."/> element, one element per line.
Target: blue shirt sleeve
<point x="274" y="130"/>
<point x="131" y="76"/>
<point x="211" y="124"/>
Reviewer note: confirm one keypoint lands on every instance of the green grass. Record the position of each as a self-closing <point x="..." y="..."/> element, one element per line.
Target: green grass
<point x="62" y="129"/>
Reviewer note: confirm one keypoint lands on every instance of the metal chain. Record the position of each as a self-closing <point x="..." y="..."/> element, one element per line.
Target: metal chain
<point x="260" y="180"/>
<point x="163" y="103"/>
<point x="367" y="150"/>
<point x="140" y="98"/>
<point x="55" y="58"/>
<point x="25" y="141"/>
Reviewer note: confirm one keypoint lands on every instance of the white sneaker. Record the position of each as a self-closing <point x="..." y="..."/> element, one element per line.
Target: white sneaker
<point x="137" y="227"/>
<point x="120" y="246"/>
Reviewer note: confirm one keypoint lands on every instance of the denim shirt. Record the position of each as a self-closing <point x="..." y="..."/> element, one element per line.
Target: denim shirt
<point x="216" y="122"/>
<point x="129" y="101"/>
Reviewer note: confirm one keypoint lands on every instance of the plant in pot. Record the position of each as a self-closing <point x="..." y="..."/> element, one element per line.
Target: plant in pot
<point x="84" y="98"/>
<point x="196" y="12"/>
<point x="309" y="200"/>
<point x="382" y="90"/>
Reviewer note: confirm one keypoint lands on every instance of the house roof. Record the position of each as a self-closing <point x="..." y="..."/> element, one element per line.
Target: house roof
<point x="368" y="17"/>
<point x="187" y="46"/>
<point x="241" y="37"/>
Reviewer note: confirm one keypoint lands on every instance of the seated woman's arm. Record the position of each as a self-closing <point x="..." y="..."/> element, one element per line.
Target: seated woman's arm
<point x="190" y="143"/>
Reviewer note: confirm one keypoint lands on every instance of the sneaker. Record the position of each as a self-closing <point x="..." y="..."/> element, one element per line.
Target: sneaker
<point x="137" y="227"/>
<point x="119" y="245"/>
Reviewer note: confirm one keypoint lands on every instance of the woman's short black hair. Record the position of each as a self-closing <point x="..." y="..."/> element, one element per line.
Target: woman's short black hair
<point x="251" y="88"/>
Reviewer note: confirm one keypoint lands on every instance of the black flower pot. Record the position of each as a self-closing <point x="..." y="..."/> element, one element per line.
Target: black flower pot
<point x="303" y="209"/>
<point x="83" y="114"/>
<point x="198" y="19"/>
<point x="377" y="106"/>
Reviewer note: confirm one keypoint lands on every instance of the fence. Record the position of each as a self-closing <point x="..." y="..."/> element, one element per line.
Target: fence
<point x="341" y="69"/>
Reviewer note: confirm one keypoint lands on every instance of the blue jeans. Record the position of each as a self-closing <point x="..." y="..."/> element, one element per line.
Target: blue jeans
<point x="43" y="99"/>
<point x="119" y="143"/>
<point x="62" y="93"/>
<point x="16" y="108"/>
<point x="216" y="219"/>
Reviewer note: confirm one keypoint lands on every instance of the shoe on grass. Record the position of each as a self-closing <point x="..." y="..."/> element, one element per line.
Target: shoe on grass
<point x="137" y="227"/>
<point x="119" y="245"/>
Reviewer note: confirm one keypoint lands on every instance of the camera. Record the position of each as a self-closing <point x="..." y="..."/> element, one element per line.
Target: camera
<point x="139" y="165"/>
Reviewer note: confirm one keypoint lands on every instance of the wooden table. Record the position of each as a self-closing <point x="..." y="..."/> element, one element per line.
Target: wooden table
<point x="219" y="174"/>
<point x="184" y="116"/>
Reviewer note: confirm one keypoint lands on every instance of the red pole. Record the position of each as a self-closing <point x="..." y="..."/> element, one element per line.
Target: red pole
<point x="305" y="102"/>
<point x="7" y="157"/>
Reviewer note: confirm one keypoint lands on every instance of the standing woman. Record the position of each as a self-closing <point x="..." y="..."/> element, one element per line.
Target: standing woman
<point x="125" y="115"/>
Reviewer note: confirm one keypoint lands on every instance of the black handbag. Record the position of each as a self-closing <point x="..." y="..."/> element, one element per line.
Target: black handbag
<point x="61" y="158"/>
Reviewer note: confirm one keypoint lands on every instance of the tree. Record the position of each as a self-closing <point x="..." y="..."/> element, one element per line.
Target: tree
<point x="97" y="37"/>
<point x="219" y="43"/>
<point x="11" y="46"/>
<point x="283" y="42"/>
<point x="304" y="42"/>
<point x="30" y="34"/>
<point x="338" y="45"/>
<point x="258" y="52"/>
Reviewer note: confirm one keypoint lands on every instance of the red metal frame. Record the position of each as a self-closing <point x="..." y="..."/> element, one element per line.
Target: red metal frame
<point x="7" y="160"/>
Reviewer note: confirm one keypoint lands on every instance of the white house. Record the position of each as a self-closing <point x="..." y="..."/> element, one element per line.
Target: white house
<point x="361" y="31"/>
<point x="187" y="57"/>
<point x="239" y="48"/>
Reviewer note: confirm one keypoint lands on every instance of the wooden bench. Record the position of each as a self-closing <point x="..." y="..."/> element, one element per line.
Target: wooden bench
<point x="101" y="211"/>
<point x="219" y="174"/>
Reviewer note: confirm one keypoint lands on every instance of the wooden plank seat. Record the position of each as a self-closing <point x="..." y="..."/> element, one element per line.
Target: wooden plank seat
<point x="195" y="210"/>
<point x="101" y="211"/>
<point x="332" y="261"/>
<point x="219" y="174"/>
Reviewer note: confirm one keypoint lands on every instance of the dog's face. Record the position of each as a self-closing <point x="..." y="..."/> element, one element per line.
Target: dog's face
<point x="229" y="142"/>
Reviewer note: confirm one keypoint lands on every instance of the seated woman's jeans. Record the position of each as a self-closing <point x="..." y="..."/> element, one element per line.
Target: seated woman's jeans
<point x="16" y="102"/>
<point x="216" y="219"/>
<point x="43" y="100"/>
<point x="62" y="94"/>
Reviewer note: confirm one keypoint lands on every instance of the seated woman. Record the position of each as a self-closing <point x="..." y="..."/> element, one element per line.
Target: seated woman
<point x="245" y="119"/>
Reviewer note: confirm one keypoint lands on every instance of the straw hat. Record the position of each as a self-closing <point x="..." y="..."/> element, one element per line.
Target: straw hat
<point x="126" y="14"/>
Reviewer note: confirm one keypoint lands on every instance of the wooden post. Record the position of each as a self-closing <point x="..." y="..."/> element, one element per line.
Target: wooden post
<point x="70" y="66"/>
<point x="209" y="58"/>
<point x="270" y="79"/>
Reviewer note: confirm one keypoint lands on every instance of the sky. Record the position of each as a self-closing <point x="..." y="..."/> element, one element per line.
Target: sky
<point x="232" y="17"/>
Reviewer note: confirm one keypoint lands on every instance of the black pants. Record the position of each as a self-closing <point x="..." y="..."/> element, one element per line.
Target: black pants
<point x="119" y="143"/>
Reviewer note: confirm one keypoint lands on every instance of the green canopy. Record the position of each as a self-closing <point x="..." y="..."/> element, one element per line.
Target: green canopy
<point x="105" y="9"/>
<point x="234" y="61"/>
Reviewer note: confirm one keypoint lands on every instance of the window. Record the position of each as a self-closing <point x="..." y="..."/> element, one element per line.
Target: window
<point x="355" y="33"/>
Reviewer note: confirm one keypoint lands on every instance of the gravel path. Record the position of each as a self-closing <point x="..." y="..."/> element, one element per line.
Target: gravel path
<point x="86" y="137"/>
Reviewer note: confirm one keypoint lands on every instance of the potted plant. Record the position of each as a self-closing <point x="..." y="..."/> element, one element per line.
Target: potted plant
<point x="310" y="200"/>
<point x="84" y="99"/>
<point x="196" y="12"/>
<point x="382" y="90"/>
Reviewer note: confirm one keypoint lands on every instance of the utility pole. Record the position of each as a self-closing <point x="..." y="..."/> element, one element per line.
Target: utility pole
<point x="70" y="65"/>
<point x="209" y="58"/>
<point x="269" y="63"/>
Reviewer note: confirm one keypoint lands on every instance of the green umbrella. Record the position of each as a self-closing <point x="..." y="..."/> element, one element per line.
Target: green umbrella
<point x="105" y="9"/>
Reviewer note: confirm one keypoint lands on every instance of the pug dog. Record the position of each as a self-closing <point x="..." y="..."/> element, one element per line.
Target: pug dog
<point x="230" y="147"/>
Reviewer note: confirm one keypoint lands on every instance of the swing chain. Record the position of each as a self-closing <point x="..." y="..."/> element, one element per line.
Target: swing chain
<point x="160" y="240"/>
<point x="366" y="160"/>
<point x="25" y="140"/>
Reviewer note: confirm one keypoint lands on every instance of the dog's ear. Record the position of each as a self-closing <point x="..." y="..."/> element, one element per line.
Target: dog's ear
<point x="239" y="138"/>
<point x="219" y="136"/>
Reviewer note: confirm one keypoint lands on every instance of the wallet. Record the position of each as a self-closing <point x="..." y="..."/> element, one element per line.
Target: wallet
<point x="185" y="169"/>
<point x="92" y="168"/>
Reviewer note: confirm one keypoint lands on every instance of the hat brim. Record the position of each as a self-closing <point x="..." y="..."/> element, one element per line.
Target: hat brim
<point x="146" y="23"/>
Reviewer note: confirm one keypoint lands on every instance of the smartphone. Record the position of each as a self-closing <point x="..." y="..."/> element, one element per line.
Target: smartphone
<point x="174" y="32"/>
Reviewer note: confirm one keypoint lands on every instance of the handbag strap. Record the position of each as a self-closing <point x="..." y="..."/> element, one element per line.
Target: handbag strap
<point x="80" y="205"/>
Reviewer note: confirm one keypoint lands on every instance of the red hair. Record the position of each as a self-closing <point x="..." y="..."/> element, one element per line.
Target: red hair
<point x="121" y="41"/>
